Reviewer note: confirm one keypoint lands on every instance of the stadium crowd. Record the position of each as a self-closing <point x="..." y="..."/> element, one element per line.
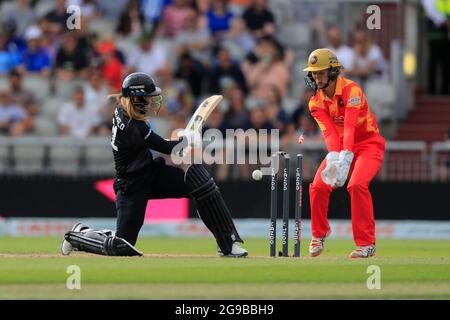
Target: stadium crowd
<point x="227" y="47"/>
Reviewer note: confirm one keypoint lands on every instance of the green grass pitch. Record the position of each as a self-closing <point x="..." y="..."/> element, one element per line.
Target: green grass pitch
<point x="31" y="268"/>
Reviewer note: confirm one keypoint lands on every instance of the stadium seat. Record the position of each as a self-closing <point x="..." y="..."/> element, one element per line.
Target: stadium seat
<point x="4" y="82"/>
<point x="381" y="98"/>
<point x="45" y="126"/>
<point x="295" y="36"/>
<point x="161" y="126"/>
<point x="282" y="10"/>
<point x="50" y="107"/>
<point x="38" y="85"/>
<point x="168" y="47"/>
<point x="65" y="159"/>
<point x="103" y="27"/>
<point x="64" y="89"/>
<point x="126" y="44"/>
<point x="43" y="7"/>
<point x="4" y="165"/>
<point x="29" y="158"/>
<point x="99" y="159"/>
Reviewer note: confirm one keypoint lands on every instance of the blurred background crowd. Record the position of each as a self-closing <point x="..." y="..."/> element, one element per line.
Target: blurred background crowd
<point x="54" y="80"/>
<point x="214" y="47"/>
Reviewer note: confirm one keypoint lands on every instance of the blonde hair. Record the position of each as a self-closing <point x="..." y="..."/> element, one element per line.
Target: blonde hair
<point x="126" y="104"/>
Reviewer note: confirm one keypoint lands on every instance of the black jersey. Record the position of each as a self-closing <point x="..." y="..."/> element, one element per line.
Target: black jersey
<point x="131" y="141"/>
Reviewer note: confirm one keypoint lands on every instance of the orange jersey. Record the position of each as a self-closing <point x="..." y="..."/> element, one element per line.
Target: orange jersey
<point x="344" y="119"/>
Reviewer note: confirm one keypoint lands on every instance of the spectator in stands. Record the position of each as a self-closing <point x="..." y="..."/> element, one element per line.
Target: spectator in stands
<point x="131" y="22"/>
<point x="238" y="40"/>
<point x="302" y="108"/>
<point x="57" y="18"/>
<point x="14" y="120"/>
<point x="71" y="60"/>
<point x="259" y="118"/>
<point x="343" y="52"/>
<point x="215" y="121"/>
<point x="176" y="94"/>
<point x="50" y="39"/>
<point x="259" y="20"/>
<point x="148" y="57"/>
<point x="237" y="116"/>
<point x="237" y="7"/>
<point x="111" y="68"/>
<point x="269" y="69"/>
<point x="295" y="126"/>
<point x="152" y="10"/>
<point x="112" y="10"/>
<point x="438" y="38"/>
<point x="95" y="92"/>
<point x="15" y="42"/>
<point x="21" y="96"/>
<point x="8" y="59"/>
<point x="368" y="60"/>
<point x="36" y="59"/>
<point x="219" y="18"/>
<point x="224" y="70"/>
<point x="276" y="116"/>
<point x="194" y="38"/>
<point x="20" y="12"/>
<point x="76" y="119"/>
<point x="174" y="18"/>
<point x="192" y="72"/>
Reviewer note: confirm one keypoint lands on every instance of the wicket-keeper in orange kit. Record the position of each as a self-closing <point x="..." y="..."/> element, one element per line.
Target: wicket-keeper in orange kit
<point x="355" y="151"/>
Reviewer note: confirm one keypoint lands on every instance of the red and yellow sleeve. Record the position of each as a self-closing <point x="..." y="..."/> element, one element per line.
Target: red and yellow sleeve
<point x="353" y="108"/>
<point x="326" y="126"/>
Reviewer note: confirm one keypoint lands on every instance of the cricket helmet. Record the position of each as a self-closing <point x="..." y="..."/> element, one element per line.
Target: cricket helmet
<point x="322" y="59"/>
<point x="137" y="86"/>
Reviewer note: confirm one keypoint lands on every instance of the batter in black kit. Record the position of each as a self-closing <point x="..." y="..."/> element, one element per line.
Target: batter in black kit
<point x="140" y="177"/>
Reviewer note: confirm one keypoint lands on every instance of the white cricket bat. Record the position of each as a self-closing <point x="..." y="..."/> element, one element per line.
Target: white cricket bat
<point x="203" y="112"/>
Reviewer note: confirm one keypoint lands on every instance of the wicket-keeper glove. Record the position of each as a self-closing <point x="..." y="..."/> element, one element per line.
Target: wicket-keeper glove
<point x="329" y="174"/>
<point x="345" y="161"/>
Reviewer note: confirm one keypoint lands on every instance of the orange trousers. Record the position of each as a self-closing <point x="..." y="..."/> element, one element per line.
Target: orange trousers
<point x="367" y="162"/>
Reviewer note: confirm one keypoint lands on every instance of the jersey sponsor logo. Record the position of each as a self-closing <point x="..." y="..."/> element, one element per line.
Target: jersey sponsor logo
<point x="354" y="101"/>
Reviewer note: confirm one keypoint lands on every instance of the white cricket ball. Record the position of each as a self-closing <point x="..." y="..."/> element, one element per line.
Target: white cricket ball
<point x="257" y="175"/>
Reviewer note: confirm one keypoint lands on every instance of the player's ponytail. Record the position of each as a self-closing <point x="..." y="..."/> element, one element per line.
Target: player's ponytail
<point x="125" y="103"/>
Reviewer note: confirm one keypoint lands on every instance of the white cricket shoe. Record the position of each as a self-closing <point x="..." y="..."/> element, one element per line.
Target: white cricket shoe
<point x="66" y="247"/>
<point x="363" y="252"/>
<point x="236" y="252"/>
<point x="316" y="245"/>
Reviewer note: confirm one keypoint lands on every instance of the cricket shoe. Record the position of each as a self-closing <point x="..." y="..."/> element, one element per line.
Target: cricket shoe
<point x="363" y="252"/>
<point x="66" y="247"/>
<point x="236" y="252"/>
<point x="316" y="245"/>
